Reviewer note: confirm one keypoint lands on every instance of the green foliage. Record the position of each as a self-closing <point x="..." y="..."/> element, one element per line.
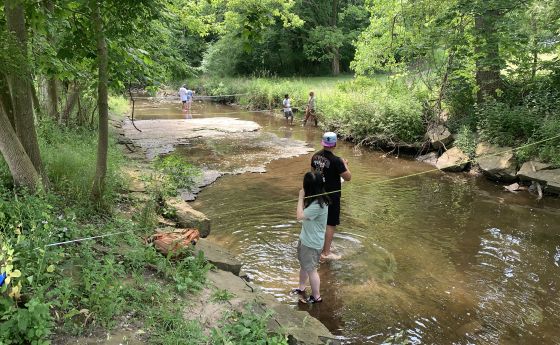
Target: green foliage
<point x="172" y="174"/>
<point x="69" y="156"/>
<point x="365" y="109"/>
<point x="246" y="328"/>
<point x="505" y="125"/>
<point x="466" y="141"/>
<point x="29" y="325"/>
<point x="220" y="295"/>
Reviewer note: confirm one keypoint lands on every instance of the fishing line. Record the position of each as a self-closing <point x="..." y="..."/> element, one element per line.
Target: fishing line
<point x="394" y="178"/>
<point x="86" y="238"/>
<point x="327" y="193"/>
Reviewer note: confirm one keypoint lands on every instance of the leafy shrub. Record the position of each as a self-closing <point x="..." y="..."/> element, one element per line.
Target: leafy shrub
<point x="29" y="325"/>
<point x="246" y="328"/>
<point x="466" y="141"/>
<point x="504" y="125"/>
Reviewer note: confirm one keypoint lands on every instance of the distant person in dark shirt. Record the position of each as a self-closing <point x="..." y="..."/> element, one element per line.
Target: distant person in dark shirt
<point x="333" y="168"/>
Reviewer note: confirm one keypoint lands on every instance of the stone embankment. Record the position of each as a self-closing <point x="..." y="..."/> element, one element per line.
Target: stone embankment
<point x="495" y="162"/>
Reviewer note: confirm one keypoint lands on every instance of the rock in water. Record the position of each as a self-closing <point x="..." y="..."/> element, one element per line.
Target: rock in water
<point x="453" y="160"/>
<point x="514" y="187"/>
<point x="429" y="158"/>
<point x="439" y="136"/>
<point x="543" y="173"/>
<point x="497" y="163"/>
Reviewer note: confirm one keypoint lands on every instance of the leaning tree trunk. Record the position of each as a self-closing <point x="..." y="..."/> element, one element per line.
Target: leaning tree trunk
<point x="22" y="169"/>
<point x="102" y="103"/>
<point x="70" y="104"/>
<point x="335" y="62"/>
<point x="22" y="102"/>
<point x="488" y="64"/>
<point x="6" y="99"/>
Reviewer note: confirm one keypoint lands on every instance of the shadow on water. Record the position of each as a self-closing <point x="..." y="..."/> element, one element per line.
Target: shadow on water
<point x="431" y="259"/>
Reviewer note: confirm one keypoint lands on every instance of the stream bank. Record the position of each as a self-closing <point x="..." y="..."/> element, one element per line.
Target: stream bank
<point x="158" y="138"/>
<point x="422" y="256"/>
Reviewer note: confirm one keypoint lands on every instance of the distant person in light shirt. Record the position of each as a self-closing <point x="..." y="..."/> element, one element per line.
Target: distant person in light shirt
<point x="310" y="111"/>
<point x="186" y="97"/>
<point x="288" y="114"/>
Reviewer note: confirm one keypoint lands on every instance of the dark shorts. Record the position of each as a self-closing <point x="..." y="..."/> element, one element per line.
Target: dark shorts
<point x="184" y="102"/>
<point x="288" y="114"/>
<point x="333" y="218"/>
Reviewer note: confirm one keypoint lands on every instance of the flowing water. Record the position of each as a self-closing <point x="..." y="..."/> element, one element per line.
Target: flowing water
<point x="430" y="259"/>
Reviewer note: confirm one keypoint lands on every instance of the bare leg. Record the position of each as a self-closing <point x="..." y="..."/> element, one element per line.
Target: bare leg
<point x="329" y="234"/>
<point x="302" y="279"/>
<point x="315" y="282"/>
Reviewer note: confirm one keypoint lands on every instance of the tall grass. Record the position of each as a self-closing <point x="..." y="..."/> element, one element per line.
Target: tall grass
<point x="379" y="110"/>
<point x="69" y="156"/>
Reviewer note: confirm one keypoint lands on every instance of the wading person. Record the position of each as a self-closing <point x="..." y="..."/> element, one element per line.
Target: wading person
<point x="312" y="210"/>
<point x="332" y="168"/>
<point x="183" y="93"/>
<point x="190" y="95"/>
<point x="288" y="110"/>
<point x="310" y="111"/>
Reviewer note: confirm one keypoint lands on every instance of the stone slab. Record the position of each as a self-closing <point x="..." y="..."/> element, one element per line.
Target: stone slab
<point x="219" y="256"/>
<point x="453" y="160"/>
<point x="542" y="173"/>
<point x="497" y="163"/>
<point x="188" y="217"/>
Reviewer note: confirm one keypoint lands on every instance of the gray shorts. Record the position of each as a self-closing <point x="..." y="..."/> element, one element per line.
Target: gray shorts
<point x="308" y="257"/>
<point x="288" y="114"/>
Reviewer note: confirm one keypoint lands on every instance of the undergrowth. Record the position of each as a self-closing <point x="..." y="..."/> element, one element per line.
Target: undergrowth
<point x="76" y="288"/>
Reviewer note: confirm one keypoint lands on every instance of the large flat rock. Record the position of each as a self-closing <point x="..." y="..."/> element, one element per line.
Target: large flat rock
<point x="219" y="256"/>
<point x="453" y="160"/>
<point x="497" y="163"/>
<point x="542" y="173"/>
<point x="161" y="136"/>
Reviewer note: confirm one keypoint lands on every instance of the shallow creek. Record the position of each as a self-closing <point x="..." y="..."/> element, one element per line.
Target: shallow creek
<point x="430" y="259"/>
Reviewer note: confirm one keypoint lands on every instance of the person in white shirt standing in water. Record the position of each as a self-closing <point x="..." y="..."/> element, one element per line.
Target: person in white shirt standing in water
<point x="183" y="93"/>
<point x="332" y="168"/>
<point x="288" y="110"/>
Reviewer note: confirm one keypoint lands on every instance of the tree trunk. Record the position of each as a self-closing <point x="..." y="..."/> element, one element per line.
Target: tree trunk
<point x="52" y="86"/>
<point x="6" y="99"/>
<point x="488" y="63"/>
<point x="70" y="104"/>
<point x="102" y="103"/>
<point x="20" y="87"/>
<point x="535" y="48"/>
<point x="335" y="63"/>
<point x="52" y="97"/>
<point x="335" y="66"/>
<point x="35" y="99"/>
<point x="22" y="169"/>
